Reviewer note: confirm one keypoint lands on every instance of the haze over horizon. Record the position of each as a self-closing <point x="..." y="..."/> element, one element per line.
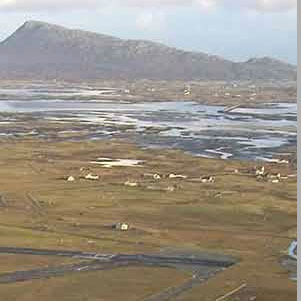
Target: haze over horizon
<point x="236" y="31"/>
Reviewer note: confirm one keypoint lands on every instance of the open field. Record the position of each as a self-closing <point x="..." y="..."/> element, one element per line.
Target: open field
<point x="236" y="215"/>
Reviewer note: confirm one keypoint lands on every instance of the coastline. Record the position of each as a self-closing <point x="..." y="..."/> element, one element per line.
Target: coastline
<point x="245" y="94"/>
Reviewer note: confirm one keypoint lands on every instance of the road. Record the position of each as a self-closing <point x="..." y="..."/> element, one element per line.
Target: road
<point x="202" y="267"/>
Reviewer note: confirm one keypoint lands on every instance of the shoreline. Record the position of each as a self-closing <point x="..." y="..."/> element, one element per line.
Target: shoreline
<point x="246" y="94"/>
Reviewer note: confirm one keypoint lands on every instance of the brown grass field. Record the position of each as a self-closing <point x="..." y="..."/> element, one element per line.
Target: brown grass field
<point x="236" y="215"/>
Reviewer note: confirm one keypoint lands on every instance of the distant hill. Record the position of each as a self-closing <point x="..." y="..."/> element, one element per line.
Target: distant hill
<point x="39" y="50"/>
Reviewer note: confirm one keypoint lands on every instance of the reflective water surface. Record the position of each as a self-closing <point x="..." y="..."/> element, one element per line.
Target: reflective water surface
<point x="245" y="133"/>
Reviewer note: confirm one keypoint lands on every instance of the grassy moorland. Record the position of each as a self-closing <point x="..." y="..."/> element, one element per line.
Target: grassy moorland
<point x="236" y="215"/>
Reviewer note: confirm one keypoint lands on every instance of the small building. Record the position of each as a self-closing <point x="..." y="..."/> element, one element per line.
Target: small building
<point x="131" y="184"/>
<point x="70" y="179"/>
<point x="187" y="90"/>
<point x="260" y="171"/>
<point x="175" y="176"/>
<point x="122" y="226"/>
<point x="91" y="177"/>
<point x="157" y="177"/>
<point x="209" y="179"/>
<point x="274" y="176"/>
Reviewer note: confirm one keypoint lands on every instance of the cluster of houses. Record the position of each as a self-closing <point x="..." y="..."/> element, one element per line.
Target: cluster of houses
<point x="263" y="175"/>
<point x="89" y="176"/>
<point x="170" y="188"/>
<point x="260" y="173"/>
<point x="156" y="177"/>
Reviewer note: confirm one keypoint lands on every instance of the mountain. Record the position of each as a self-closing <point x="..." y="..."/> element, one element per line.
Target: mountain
<point x="39" y="50"/>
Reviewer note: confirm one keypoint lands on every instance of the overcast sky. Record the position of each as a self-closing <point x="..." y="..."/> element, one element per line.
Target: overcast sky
<point x="235" y="29"/>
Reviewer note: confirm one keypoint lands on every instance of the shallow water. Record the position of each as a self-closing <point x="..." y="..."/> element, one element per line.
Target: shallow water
<point x="202" y="130"/>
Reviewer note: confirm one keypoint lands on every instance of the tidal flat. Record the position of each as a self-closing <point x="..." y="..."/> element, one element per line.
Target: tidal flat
<point x="203" y="130"/>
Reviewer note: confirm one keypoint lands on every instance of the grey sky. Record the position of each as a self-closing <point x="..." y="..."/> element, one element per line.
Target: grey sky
<point x="236" y="29"/>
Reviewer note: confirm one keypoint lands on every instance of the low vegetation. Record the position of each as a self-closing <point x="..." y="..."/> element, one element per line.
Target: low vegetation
<point x="236" y="214"/>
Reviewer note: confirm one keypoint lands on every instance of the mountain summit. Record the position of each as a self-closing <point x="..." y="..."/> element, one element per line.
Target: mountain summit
<point x="39" y="50"/>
